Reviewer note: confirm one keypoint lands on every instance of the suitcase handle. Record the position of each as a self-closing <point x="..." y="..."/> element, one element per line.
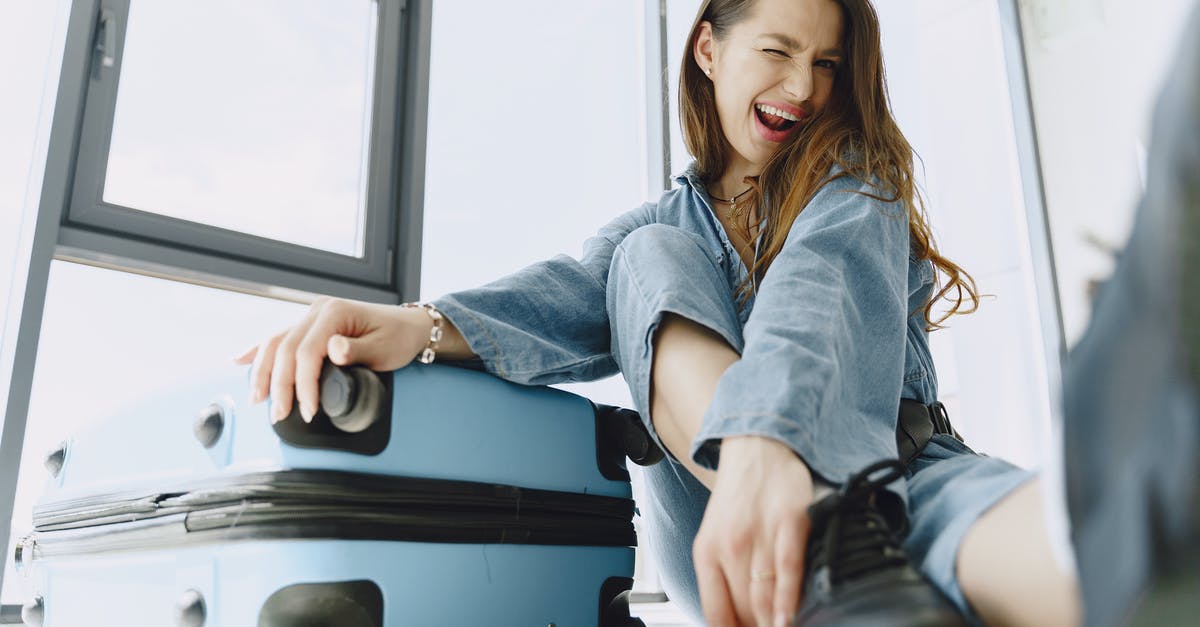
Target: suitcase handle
<point x="354" y="414"/>
<point x="357" y="603"/>
<point x="351" y="397"/>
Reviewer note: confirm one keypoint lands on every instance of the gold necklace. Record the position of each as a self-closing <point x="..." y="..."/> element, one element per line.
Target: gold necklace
<point x="734" y="210"/>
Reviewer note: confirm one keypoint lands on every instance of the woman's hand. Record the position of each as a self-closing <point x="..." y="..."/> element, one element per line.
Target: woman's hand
<point x="749" y="552"/>
<point x="380" y="337"/>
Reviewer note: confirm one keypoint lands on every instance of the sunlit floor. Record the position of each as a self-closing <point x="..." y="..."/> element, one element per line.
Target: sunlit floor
<point x="660" y="615"/>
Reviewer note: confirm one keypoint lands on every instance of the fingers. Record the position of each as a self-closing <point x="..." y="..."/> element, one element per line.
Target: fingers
<point x="283" y="375"/>
<point x="790" y="543"/>
<point x="287" y="367"/>
<point x="246" y="356"/>
<point x="282" y="378"/>
<point x="260" y="372"/>
<point x="715" y="597"/>
<point x="311" y="352"/>
<point x="339" y="350"/>
<point x="749" y="551"/>
<point x="761" y="579"/>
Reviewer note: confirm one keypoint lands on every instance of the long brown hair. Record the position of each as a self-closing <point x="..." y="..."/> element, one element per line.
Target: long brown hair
<point x="855" y="132"/>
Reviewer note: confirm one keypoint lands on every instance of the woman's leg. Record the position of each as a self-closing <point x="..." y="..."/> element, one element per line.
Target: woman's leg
<point x="674" y="333"/>
<point x="1132" y="414"/>
<point x="674" y="328"/>
<point x="1006" y="567"/>
<point x="689" y="359"/>
<point x="1131" y="388"/>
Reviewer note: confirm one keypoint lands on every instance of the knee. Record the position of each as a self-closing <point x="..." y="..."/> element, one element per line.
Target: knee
<point x="664" y="244"/>
<point x="1006" y="569"/>
<point x="666" y="268"/>
<point x="659" y="259"/>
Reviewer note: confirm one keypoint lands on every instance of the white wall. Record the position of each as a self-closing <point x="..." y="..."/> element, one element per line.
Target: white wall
<point x="536" y="138"/>
<point x="949" y="83"/>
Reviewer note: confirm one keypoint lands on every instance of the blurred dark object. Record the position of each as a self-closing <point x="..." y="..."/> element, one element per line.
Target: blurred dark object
<point x="1131" y="390"/>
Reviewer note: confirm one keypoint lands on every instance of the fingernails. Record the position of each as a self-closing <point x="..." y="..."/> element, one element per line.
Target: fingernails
<point x="244" y="352"/>
<point x="306" y="412"/>
<point x="781" y="620"/>
<point x="277" y="412"/>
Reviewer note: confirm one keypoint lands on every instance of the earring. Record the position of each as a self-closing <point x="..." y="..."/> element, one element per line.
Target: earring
<point x="708" y="71"/>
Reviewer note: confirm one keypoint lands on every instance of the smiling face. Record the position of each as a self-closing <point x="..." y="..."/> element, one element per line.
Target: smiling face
<point x="771" y="71"/>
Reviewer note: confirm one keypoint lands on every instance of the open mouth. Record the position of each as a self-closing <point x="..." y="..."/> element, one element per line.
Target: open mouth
<point x="775" y="119"/>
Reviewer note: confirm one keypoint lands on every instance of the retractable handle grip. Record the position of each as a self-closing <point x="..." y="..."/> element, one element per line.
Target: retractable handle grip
<point x="352" y="397"/>
<point x="354" y="412"/>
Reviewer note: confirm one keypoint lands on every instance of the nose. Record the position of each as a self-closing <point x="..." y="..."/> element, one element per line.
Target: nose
<point x="799" y="82"/>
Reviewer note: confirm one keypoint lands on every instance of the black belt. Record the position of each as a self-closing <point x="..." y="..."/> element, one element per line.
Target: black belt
<point x="917" y="424"/>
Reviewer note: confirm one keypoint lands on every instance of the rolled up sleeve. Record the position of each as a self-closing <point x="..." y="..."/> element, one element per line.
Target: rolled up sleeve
<point x="822" y="367"/>
<point x="546" y="323"/>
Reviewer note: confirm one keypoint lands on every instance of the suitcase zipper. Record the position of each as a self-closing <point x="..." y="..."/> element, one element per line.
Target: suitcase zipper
<point x="332" y="504"/>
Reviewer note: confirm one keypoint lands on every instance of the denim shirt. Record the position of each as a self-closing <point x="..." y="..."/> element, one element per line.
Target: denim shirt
<point x="834" y="335"/>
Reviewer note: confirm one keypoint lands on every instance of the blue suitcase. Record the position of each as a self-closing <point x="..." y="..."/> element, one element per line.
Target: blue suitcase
<point x="429" y="496"/>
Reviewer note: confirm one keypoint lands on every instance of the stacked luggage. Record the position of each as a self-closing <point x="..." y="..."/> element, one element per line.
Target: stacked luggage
<point x="429" y="496"/>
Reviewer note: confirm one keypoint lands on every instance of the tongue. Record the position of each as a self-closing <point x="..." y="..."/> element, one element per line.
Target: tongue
<point x="774" y="122"/>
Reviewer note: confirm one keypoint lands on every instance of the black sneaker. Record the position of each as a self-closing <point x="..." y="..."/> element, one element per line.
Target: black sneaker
<point x="857" y="572"/>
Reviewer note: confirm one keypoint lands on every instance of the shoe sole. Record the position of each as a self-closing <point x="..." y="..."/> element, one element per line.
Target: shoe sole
<point x="885" y="599"/>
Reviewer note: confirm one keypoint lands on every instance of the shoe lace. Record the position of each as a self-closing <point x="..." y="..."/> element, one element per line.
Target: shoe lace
<point x="855" y="537"/>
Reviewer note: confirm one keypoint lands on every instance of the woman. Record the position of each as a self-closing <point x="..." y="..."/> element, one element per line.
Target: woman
<point x="769" y="314"/>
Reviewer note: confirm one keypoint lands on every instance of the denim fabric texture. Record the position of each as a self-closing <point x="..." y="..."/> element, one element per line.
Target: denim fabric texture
<point x="1132" y="408"/>
<point x="831" y="341"/>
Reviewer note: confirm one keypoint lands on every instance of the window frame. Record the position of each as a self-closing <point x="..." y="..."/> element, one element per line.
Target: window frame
<point x="110" y="235"/>
<point x="396" y="189"/>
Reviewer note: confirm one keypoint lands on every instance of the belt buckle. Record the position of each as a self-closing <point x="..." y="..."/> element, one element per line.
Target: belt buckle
<point x="941" y="420"/>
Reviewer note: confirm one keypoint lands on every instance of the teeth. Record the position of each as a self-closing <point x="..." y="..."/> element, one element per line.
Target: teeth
<point x="777" y="112"/>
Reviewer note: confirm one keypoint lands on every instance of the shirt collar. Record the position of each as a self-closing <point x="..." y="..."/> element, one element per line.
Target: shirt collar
<point x="691" y="178"/>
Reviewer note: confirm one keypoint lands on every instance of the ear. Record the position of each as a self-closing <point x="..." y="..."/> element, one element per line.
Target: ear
<point x="702" y="49"/>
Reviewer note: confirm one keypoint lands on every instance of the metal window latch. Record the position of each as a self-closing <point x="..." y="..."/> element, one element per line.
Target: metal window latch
<point x="106" y="38"/>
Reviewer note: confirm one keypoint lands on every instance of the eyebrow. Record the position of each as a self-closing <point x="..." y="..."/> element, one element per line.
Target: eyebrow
<point x="795" y="45"/>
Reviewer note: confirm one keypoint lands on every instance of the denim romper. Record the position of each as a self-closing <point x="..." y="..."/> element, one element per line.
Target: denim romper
<point x="830" y="342"/>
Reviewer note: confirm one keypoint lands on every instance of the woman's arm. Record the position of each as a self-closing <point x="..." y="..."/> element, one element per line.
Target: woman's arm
<point x="822" y="367"/>
<point x="548" y="322"/>
<point x="544" y="324"/>
<point x="815" y="393"/>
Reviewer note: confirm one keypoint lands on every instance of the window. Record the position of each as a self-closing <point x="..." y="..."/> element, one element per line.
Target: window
<point x="536" y="140"/>
<point x="131" y="183"/>
<point x="534" y="134"/>
<point x="249" y="143"/>
<point x="258" y="130"/>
